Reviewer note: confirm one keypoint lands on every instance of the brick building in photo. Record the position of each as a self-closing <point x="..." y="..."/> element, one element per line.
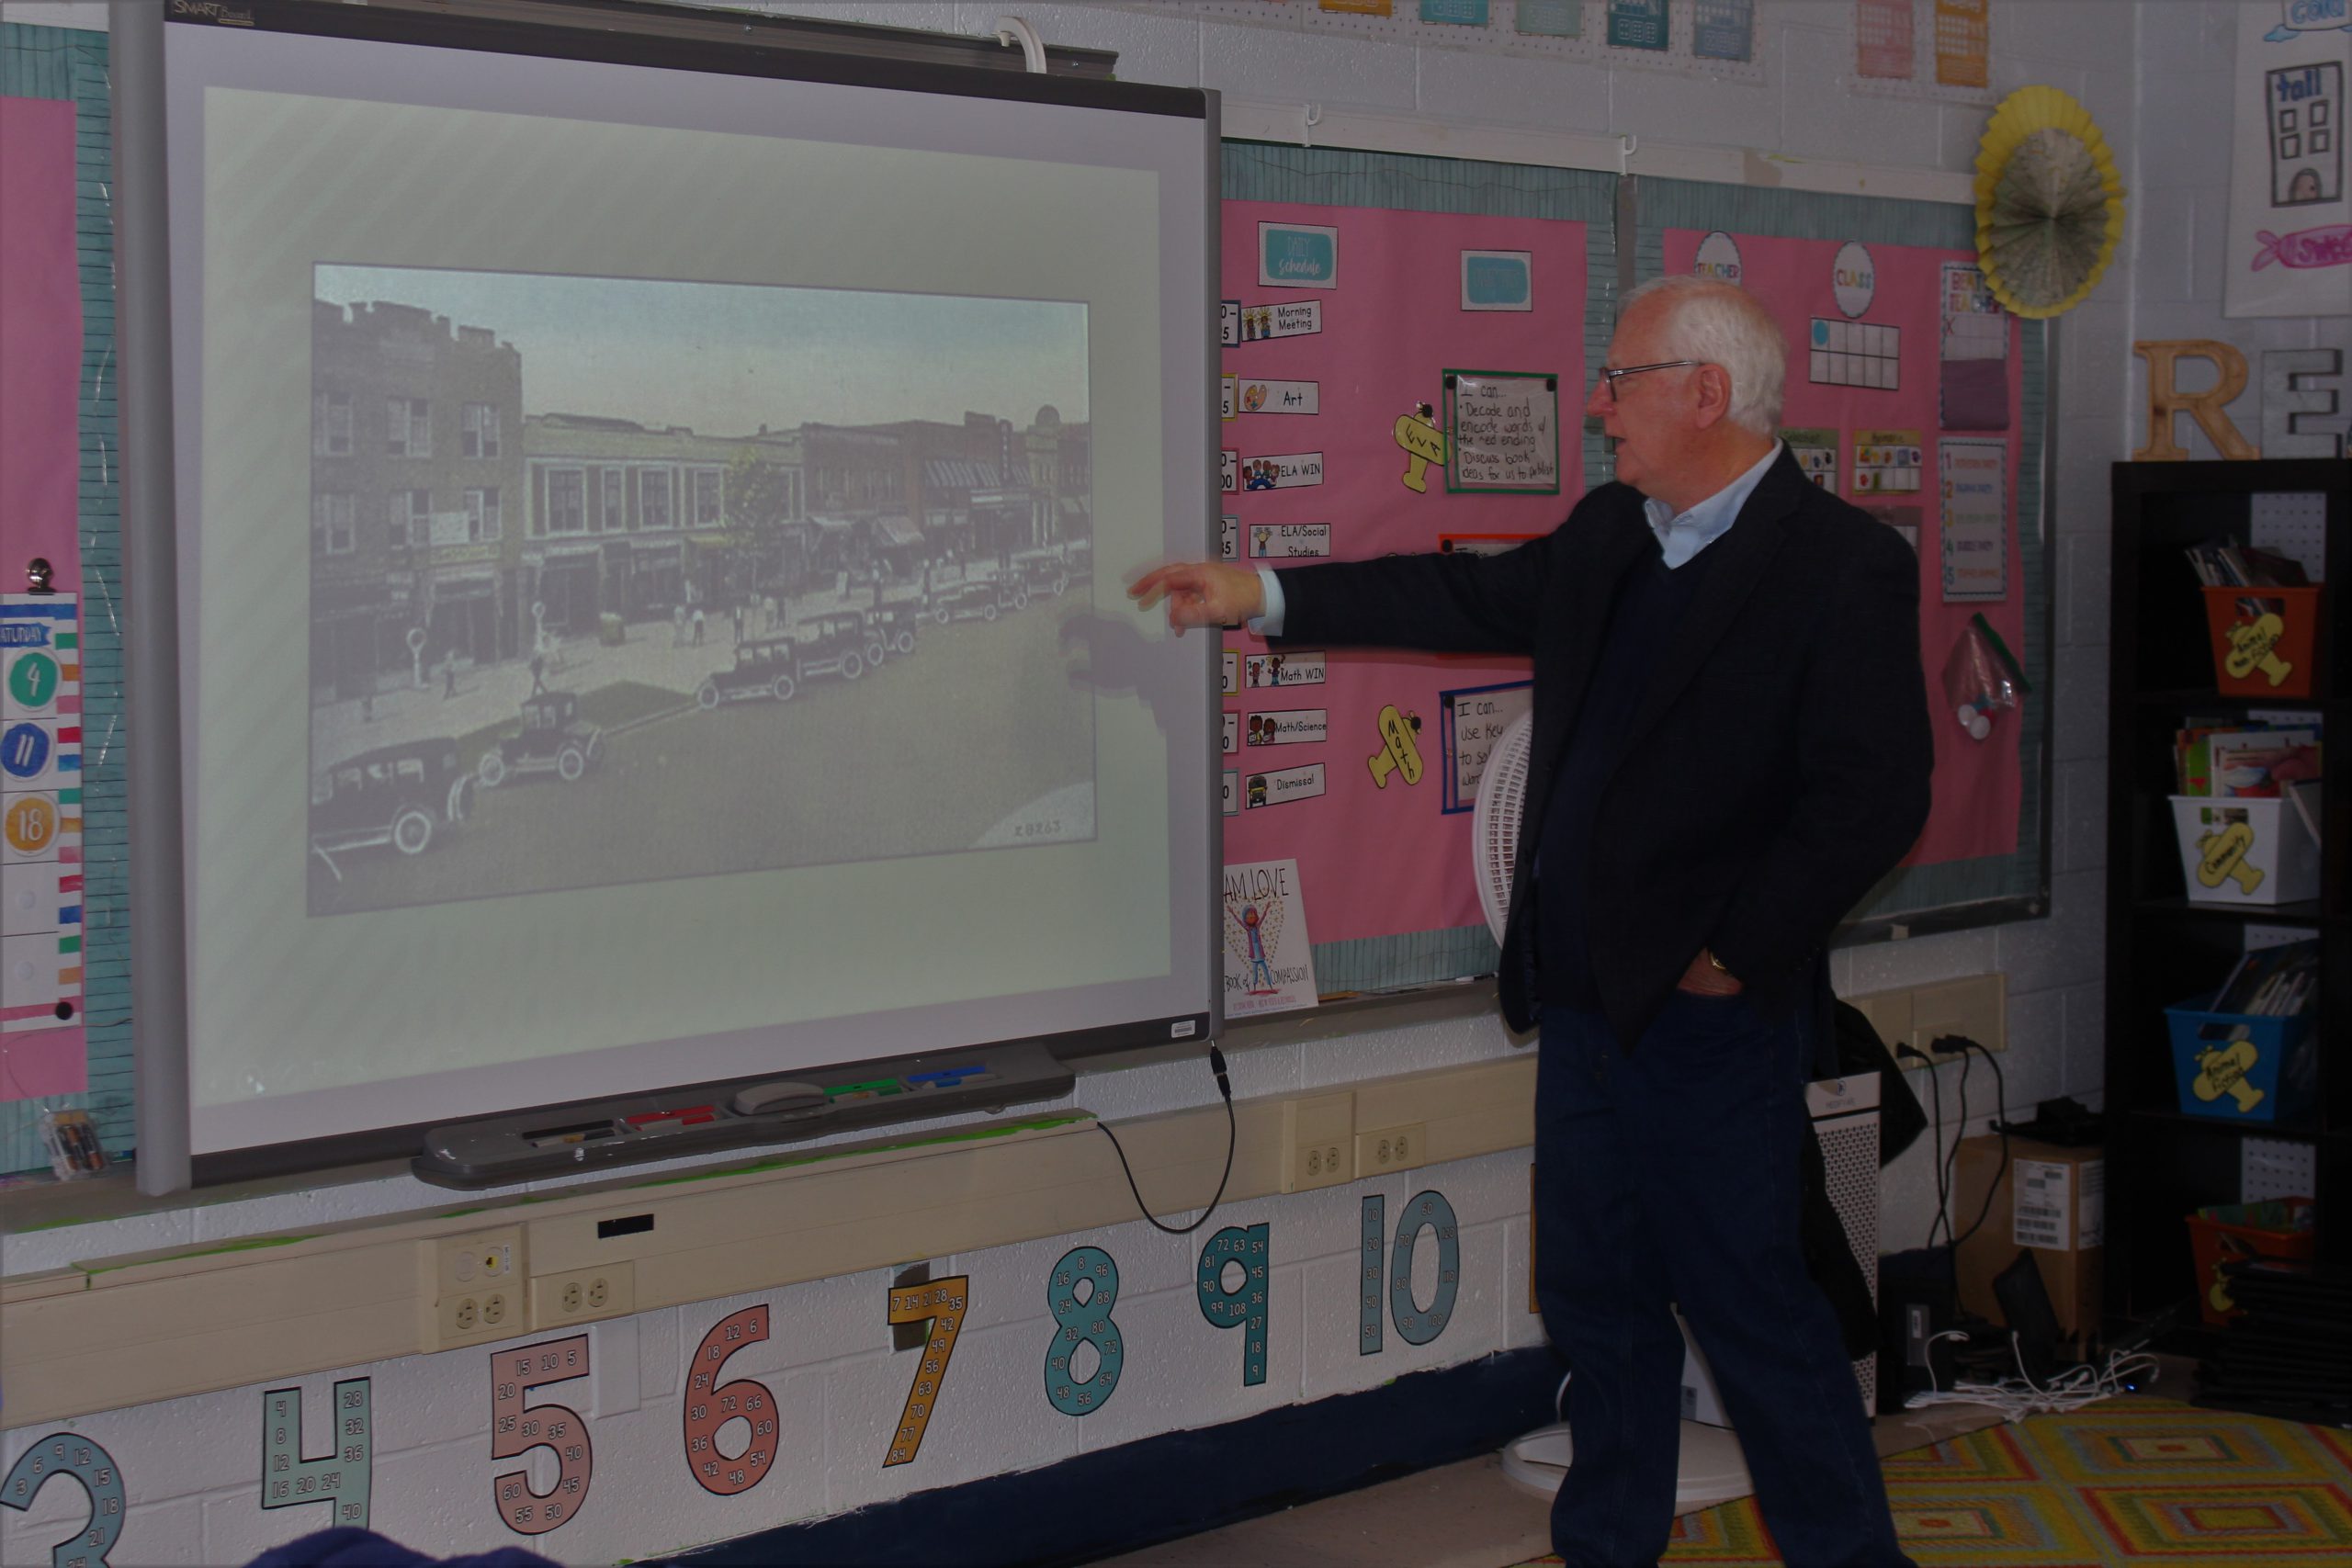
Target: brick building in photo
<point x="416" y="469"/>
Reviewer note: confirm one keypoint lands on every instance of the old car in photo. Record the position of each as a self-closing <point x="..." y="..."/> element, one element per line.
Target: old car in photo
<point x="775" y="667"/>
<point x="765" y="667"/>
<point x="405" y="797"/>
<point x="969" y="600"/>
<point x="554" y="739"/>
<point x="834" y="643"/>
<point x="891" y="628"/>
<point x="1039" y="572"/>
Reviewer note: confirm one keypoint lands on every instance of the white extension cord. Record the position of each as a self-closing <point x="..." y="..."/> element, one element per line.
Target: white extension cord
<point x="2018" y="1397"/>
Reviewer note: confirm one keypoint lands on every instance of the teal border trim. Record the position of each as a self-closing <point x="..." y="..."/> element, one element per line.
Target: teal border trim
<point x="68" y="62"/>
<point x="1990" y="889"/>
<point x="1330" y="176"/>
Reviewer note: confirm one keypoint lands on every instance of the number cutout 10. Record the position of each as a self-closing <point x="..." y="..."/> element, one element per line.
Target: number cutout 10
<point x="1416" y="1325"/>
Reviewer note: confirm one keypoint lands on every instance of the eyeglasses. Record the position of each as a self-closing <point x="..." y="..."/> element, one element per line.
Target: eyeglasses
<point x="1609" y="379"/>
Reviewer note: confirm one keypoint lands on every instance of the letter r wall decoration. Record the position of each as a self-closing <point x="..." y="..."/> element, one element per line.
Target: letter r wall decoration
<point x="2165" y="399"/>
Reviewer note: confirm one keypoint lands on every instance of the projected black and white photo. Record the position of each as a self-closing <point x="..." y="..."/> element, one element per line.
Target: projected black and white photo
<point x="616" y="581"/>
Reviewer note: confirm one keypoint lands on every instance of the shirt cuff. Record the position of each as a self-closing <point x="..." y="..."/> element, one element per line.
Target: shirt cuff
<point x="1269" y="622"/>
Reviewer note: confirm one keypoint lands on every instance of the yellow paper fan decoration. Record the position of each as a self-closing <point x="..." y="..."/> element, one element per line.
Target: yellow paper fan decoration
<point x="2049" y="203"/>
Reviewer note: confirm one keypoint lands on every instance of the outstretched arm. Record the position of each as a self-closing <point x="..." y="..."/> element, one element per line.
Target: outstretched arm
<point x="1200" y="594"/>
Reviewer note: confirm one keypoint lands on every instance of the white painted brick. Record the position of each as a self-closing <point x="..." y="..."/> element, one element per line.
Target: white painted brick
<point x="1184" y="1371"/>
<point x="2082" y="500"/>
<point x="2078" y="704"/>
<point x="2064" y="950"/>
<point x="2205" y="239"/>
<point x="441" y="1499"/>
<point x="2088" y="583"/>
<point x="646" y="1500"/>
<point x="2184" y="37"/>
<point x="1282" y="66"/>
<point x="2093" y="357"/>
<point x="2034" y="1066"/>
<point x="1334" y="1363"/>
<point x="660" y="1356"/>
<point x="1821" y="118"/>
<point x="1009" y="1283"/>
<point x="235" y="1528"/>
<point x="417" y="1402"/>
<point x="1378" y="1053"/>
<point x="2165" y="230"/>
<point x="2182" y="126"/>
<point x="992" y="1417"/>
<point x="1960" y="132"/>
<point x="2085" y="1038"/>
<point x="164" y="1533"/>
<point x="1322" y="1224"/>
<point x="1556" y="94"/>
<point x="1718" y="111"/>
<point x="1889" y="966"/>
<point x="2012" y="70"/>
<point x="2112" y="100"/>
<point x="808" y="1323"/>
<point x="2081" y="827"/>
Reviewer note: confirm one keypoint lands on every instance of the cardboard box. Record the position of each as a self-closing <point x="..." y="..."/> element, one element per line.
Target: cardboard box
<point x="2049" y="1200"/>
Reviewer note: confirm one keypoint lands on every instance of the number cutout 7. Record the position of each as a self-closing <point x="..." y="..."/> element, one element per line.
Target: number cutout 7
<point x="941" y="1303"/>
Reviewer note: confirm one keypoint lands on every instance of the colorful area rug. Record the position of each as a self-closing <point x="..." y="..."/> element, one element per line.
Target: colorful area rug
<point x="2147" y="1483"/>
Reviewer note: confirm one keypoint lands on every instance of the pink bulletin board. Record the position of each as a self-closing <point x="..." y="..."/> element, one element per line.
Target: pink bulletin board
<point x="1978" y="785"/>
<point x="40" y="353"/>
<point x="1381" y="856"/>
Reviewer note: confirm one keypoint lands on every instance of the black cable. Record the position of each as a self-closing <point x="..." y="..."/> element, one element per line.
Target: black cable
<point x="1959" y="1136"/>
<point x="1936" y="1139"/>
<point x="1225" y="1087"/>
<point x="2000" y="1125"/>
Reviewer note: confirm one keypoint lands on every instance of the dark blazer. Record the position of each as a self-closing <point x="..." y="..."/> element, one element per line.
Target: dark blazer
<point x="1778" y="766"/>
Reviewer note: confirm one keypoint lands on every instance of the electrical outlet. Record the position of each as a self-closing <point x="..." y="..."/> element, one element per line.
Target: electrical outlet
<point x="473" y="1317"/>
<point x="1390" y="1148"/>
<point x="469" y="1264"/>
<point x="1318" y="1142"/>
<point x="1974" y="1007"/>
<point x="608" y="1290"/>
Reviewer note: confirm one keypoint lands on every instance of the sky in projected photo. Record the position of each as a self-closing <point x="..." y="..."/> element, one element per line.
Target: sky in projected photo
<point x="724" y="358"/>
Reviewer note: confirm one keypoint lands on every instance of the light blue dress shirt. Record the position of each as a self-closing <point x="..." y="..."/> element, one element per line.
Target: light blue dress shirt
<point x="1681" y="538"/>
<point x="1678" y="537"/>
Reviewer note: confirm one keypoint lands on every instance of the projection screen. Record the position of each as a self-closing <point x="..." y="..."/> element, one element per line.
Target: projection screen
<point x="649" y="545"/>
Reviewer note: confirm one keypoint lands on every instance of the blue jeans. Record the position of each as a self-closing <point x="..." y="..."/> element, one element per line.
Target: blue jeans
<point x="1669" y="1177"/>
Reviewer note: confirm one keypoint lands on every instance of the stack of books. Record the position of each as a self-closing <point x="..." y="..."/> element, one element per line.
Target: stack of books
<point x="2257" y="758"/>
<point x="2281" y="981"/>
<point x="2226" y="563"/>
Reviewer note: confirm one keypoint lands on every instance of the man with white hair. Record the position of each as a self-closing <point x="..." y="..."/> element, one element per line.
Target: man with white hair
<point x="1731" y="746"/>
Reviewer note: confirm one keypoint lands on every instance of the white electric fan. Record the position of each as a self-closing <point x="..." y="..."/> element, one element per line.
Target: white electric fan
<point x="1712" y="1470"/>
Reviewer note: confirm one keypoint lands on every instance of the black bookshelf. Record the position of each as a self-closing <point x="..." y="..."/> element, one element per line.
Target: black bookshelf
<point x="2162" y="948"/>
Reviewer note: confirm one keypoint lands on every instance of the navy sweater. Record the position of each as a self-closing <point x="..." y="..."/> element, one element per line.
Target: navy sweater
<point x="1649" y="605"/>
